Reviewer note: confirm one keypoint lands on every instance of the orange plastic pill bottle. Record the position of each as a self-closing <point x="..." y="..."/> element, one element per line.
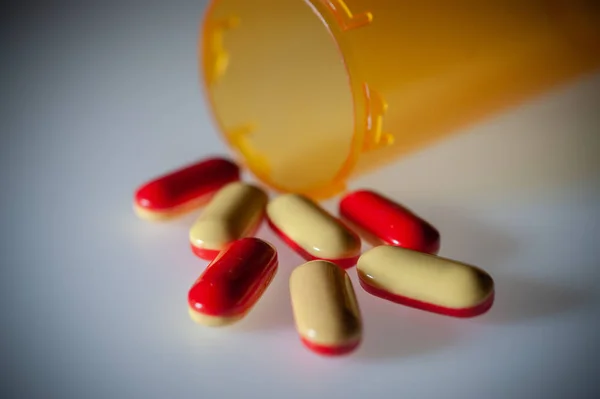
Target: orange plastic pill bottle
<point x="309" y="93"/>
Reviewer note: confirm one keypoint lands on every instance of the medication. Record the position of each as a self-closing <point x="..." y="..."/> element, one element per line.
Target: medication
<point x="382" y="221"/>
<point x="233" y="282"/>
<point x="325" y="309"/>
<point x="236" y="211"/>
<point x="183" y="190"/>
<point x="425" y="281"/>
<point x="311" y="231"/>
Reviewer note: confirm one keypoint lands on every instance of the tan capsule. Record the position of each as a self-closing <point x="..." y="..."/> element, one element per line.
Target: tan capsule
<point x="311" y="231"/>
<point x="233" y="213"/>
<point x="425" y="281"/>
<point x="325" y="309"/>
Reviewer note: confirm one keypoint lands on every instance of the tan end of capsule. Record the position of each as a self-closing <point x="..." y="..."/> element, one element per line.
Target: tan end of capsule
<point x="312" y="228"/>
<point x="426" y="278"/>
<point x="212" y="321"/>
<point x="233" y="213"/>
<point x="325" y="308"/>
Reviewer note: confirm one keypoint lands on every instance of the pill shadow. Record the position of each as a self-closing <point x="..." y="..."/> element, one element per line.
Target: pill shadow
<point x="518" y="298"/>
<point x="273" y="311"/>
<point x="392" y="331"/>
<point x="465" y="238"/>
<point x="522" y="299"/>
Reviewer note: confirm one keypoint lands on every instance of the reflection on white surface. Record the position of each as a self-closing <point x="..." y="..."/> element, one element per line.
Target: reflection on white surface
<point x="102" y="98"/>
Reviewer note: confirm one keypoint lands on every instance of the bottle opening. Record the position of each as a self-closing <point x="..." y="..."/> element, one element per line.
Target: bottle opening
<point x="279" y="90"/>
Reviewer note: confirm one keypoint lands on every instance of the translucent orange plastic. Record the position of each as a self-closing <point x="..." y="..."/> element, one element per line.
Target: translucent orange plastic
<point x="312" y="92"/>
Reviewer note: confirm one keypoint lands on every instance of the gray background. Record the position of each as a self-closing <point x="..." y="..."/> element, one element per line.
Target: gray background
<point x="98" y="98"/>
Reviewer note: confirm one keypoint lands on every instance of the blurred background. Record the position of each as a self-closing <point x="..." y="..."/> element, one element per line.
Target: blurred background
<point x="98" y="97"/>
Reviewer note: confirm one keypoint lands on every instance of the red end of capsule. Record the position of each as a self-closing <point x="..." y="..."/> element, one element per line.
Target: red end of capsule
<point x="330" y="350"/>
<point x="186" y="188"/>
<point x="474" y="311"/>
<point x="233" y="283"/>
<point x="383" y="221"/>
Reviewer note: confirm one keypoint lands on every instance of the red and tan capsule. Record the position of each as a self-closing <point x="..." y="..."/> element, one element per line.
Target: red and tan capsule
<point x="236" y="211"/>
<point x="184" y="190"/>
<point x="382" y="221"/>
<point x="325" y="309"/>
<point x="233" y="283"/>
<point x="311" y="231"/>
<point x="425" y="281"/>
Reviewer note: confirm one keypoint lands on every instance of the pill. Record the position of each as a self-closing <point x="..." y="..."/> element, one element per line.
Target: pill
<point x="234" y="212"/>
<point x="183" y="190"/>
<point x="233" y="282"/>
<point x="426" y="281"/>
<point x="382" y="221"/>
<point x="311" y="231"/>
<point x="325" y="309"/>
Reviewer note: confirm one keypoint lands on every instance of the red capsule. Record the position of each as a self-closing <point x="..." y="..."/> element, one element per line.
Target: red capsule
<point x="383" y="221"/>
<point x="233" y="282"/>
<point x="184" y="189"/>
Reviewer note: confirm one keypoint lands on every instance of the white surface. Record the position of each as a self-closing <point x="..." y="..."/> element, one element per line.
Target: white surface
<point x="99" y="99"/>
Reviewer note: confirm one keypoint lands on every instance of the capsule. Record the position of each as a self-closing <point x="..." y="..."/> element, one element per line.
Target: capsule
<point x="183" y="190"/>
<point x="325" y="309"/>
<point x="425" y="281"/>
<point x="236" y="211"/>
<point x="232" y="283"/>
<point x="311" y="231"/>
<point x="382" y="221"/>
